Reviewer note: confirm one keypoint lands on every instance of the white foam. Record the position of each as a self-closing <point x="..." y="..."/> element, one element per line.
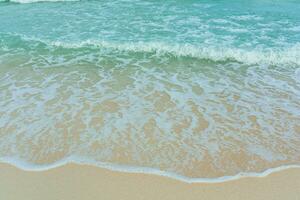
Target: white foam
<point x="289" y="56"/>
<point x="21" y="164"/>
<point x="133" y="104"/>
<point x="297" y="74"/>
<point x="270" y="56"/>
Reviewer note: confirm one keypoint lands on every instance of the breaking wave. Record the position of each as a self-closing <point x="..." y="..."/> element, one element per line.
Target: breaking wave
<point x="265" y="56"/>
<point x="289" y="56"/>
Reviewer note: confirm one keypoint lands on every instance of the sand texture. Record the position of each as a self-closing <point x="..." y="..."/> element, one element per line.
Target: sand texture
<point x="80" y="182"/>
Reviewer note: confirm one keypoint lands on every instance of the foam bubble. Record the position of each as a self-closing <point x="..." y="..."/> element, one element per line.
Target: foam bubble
<point x="297" y="74"/>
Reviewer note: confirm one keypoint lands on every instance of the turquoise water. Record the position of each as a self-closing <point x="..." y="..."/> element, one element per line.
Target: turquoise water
<point x="203" y="89"/>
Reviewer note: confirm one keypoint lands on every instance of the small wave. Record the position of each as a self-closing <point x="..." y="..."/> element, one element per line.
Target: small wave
<point x="289" y="56"/>
<point x="24" y="165"/>
<point x="266" y="56"/>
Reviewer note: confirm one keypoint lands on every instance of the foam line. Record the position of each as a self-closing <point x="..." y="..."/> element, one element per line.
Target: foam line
<point x="274" y="56"/>
<point x="269" y="56"/>
<point x="21" y="164"/>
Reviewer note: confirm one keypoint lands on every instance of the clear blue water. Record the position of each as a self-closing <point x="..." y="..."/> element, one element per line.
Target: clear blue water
<point x="203" y="89"/>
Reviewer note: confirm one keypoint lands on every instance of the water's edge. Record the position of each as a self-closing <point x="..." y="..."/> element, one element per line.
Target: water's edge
<point x="191" y="91"/>
<point x="26" y="166"/>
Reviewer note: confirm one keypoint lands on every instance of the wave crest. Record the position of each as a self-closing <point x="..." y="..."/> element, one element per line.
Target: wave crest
<point x="266" y="56"/>
<point x="290" y="56"/>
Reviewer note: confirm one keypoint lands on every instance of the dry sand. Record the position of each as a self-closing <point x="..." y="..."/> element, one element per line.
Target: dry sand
<point x="80" y="182"/>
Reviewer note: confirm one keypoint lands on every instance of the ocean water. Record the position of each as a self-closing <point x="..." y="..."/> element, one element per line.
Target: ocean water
<point x="197" y="89"/>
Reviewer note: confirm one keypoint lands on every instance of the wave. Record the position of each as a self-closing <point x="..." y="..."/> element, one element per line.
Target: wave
<point x="266" y="56"/>
<point x="290" y="56"/>
<point x="24" y="165"/>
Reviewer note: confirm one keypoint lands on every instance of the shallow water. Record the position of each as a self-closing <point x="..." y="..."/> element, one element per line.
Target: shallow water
<point x="201" y="89"/>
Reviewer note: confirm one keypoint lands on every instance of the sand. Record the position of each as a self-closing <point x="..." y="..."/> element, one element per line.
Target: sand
<point x="81" y="182"/>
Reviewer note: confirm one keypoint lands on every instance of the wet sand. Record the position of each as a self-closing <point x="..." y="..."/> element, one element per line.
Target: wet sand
<point x="81" y="182"/>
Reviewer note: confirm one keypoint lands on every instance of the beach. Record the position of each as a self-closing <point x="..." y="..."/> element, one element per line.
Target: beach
<point x="77" y="182"/>
<point x="158" y="100"/>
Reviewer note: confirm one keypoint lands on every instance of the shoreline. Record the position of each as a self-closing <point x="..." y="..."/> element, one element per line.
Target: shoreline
<point x="77" y="182"/>
<point x="25" y="166"/>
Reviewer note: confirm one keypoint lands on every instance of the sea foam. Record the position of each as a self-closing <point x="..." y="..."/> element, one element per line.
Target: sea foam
<point x="24" y="165"/>
<point x="265" y="56"/>
<point x="177" y="87"/>
<point x="256" y="56"/>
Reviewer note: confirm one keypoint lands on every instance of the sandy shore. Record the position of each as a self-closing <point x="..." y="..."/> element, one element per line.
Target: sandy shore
<point x="79" y="182"/>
